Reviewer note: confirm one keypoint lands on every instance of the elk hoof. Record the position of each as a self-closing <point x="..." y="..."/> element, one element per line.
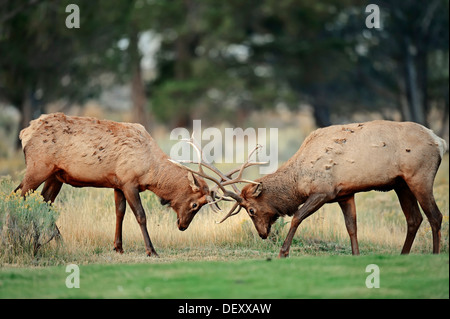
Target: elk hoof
<point x="118" y="250"/>
<point x="152" y="254"/>
<point x="283" y="254"/>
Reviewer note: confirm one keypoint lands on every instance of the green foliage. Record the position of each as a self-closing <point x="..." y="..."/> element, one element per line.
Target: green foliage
<point x="170" y="100"/>
<point x="43" y="61"/>
<point x="25" y="224"/>
<point x="224" y="59"/>
<point x="277" y="233"/>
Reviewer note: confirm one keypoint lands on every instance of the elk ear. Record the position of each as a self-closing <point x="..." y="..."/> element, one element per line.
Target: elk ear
<point x="193" y="182"/>
<point x="257" y="190"/>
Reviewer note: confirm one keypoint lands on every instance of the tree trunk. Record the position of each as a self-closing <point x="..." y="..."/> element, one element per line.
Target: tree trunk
<point x="138" y="94"/>
<point x="413" y="89"/>
<point x="26" y="113"/>
<point x="322" y="115"/>
<point x="321" y="109"/>
<point x="444" y="132"/>
<point x="422" y="68"/>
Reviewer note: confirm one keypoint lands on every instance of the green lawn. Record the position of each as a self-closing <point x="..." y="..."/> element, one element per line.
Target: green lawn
<point x="414" y="276"/>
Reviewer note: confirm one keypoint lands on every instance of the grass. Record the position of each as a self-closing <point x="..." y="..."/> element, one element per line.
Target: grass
<point x="413" y="276"/>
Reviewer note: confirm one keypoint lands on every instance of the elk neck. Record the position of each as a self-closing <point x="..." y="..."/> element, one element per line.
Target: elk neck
<point x="166" y="180"/>
<point x="280" y="189"/>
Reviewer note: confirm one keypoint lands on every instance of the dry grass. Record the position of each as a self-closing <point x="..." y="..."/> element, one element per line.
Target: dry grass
<point x="88" y="224"/>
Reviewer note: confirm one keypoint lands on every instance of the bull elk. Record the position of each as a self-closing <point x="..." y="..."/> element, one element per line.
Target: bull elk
<point x="335" y="162"/>
<point x="83" y="151"/>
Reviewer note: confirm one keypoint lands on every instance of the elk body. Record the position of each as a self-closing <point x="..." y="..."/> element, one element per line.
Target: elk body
<point x="83" y="151"/>
<point x="336" y="162"/>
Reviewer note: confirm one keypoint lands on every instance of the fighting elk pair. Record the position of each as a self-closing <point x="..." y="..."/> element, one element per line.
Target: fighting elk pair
<point x="332" y="165"/>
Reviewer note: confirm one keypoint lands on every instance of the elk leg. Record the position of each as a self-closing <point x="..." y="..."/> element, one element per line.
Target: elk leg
<point x="32" y="180"/>
<point x="51" y="189"/>
<point x="133" y="199"/>
<point x="412" y="213"/>
<point x="19" y="187"/>
<point x="30" y="183"/>
<point x="121" y="205"/>
<point x="313" y="203"/>
<point x="36" y="174"/>
<point x="426" y="200"/>
<point x="349" y="209"/>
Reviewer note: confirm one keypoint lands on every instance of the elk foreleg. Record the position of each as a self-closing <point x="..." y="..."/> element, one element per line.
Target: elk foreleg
<point x="349" y="209"/>
<point x="133" y="199"/>
<point x="312" y="204"/>
<point x="35" y="175"/>
<point x="121" y="205"/>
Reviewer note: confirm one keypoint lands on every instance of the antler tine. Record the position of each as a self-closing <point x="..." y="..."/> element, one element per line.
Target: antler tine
<point x="200" y="173"/>
<point x="201" y="163"/>
<point x="224" y="179"/>
<point x="228" y="176"/>
<point x="191" y="141"/>
<point x="258" y="146"/>
<point x="238" y="179"/>
<point x="235" y="170"/>
<point x="232" y="212"/>
<point x="198" y="149"/>
<point x="213" y="204"/>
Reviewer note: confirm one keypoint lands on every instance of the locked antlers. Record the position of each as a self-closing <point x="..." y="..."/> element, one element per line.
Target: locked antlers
<point x="224" y="179"/>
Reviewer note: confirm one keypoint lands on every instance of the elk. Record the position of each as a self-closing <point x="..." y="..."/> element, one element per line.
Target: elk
<point x="335" y="162"/>
<point x="83" y="151"/>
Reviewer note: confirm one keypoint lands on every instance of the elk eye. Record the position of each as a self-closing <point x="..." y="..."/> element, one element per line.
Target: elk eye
<point x="251" y="211"/>
<point x="194" y="205"/>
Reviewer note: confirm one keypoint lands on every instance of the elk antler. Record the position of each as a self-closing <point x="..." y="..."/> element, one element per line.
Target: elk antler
<point x="231" y="212"/>
<point x="225" y="179"/>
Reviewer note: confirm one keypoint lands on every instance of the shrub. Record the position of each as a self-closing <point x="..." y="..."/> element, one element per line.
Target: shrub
<point x="25" y="224"/>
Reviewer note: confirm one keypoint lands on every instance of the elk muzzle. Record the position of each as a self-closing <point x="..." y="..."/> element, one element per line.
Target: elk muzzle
<point x="184" y="220"/>
<point x="262" y="228"/>
<point x="182" y="225"/>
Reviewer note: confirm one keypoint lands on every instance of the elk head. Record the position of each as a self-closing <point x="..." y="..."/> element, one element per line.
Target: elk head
<point x="260" y="209"/>
<point x="187" y="204"/>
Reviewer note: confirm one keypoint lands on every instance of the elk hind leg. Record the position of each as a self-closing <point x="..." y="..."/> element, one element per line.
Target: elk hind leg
<point x="424" y="195"/>
<point x="412" y="213"/>
<point x="51" y="189"/>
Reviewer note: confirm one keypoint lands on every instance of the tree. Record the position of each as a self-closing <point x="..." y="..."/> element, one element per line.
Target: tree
<point x="405" y="60"/>
<point x="224" y="59"/>
<point x="43" y="61"/>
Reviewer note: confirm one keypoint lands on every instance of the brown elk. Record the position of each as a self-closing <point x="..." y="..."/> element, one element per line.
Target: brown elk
<point x="83" y="151"/>
<point x="336" y="162"/>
